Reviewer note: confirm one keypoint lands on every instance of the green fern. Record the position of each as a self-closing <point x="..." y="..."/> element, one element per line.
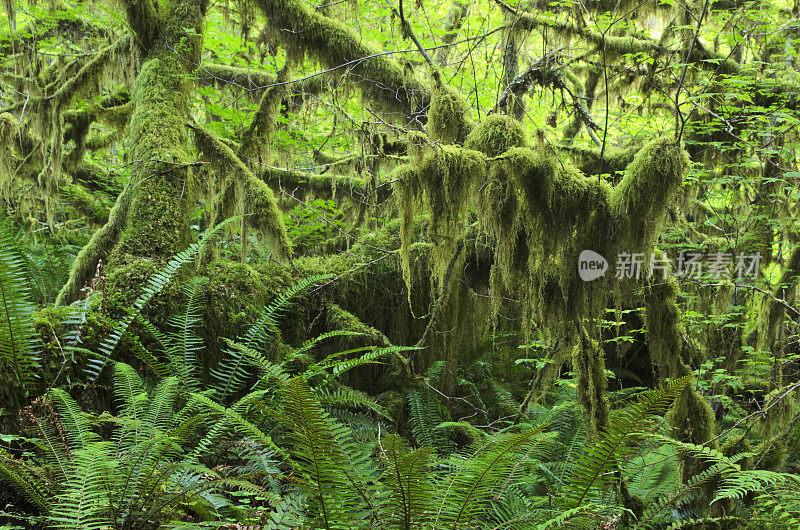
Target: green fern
<point x="154" y="285"/>
<point x="479" y="478"/>
<point x="17" y="334"/>
<point x="85" y="503"/>
<point x="231" y="374"/>
<point x="596" y="467"/>
<point x="406" y="477"/>
<point x="329" y="468"/>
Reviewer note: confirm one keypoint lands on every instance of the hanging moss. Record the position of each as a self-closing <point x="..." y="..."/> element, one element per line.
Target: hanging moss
<point x="495" y="135"/>
<point x="338" y="318"/>
<point x="692" y="421"/>
<point x="448" y="117"/>
<point x="454" y="17"/>
<point x="255" y="199"/>
<point x="588" y="362"/>
<point x="648" y="188"/>
<point x="255" y="142"/>
<point x="8" y="129"/>
<point x="770" y="455"/>
<point x="773" y="312"/>
<point x="691" y="417"/>
<point x="664" y="336"/>
<point x="615" y="159"/>
<point x="780" y="408"/>
<point x="448" y="176"/>
<point x="532" y="205"/>
<point x="55" y="105"/>
<point x="403" y="178"/>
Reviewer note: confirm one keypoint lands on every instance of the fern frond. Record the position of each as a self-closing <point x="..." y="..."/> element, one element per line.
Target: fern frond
<point x="232" y="417"/>
<point x="267" y="370"/>
<point x="76" y="427"/>
<point x="406" y="477"/>
<point x="231" y="374"/>
<point x="17" y="334"/>
<point x="85" y="503"/>
<point x="346" y="397"/>
<point x="595" y="468"/>
<point x="735" y="485"/>
<point x="424" y="416"/>
<point x="185" y="344"/>
<point x="288" y="514"/>
<point x="476" y="481"/>
<point x="19" y="477"/>
<point x="319" y="449"/>
<point x="154" y="285"/>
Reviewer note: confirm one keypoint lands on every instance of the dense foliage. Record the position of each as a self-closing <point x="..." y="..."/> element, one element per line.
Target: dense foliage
<point x="468" y="264"/>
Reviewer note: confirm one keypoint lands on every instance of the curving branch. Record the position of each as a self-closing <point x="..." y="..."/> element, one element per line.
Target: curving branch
<point x="337" y="47"/>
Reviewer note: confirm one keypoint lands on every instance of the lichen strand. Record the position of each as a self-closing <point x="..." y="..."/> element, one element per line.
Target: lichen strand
<point x="648" y="188"/>
<point x="495" y="135"/>
<point x="449" y="121"/>
<point x="334" y="45"/>
<point x="588" y="362"/>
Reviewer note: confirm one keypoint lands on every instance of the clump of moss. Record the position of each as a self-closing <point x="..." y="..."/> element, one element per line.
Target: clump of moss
<point x="235" y="294"/>
<point x="534" y="207"/>
<point x="495" y="135"/>
<point x="735" y="445"/>
<point x="648" y="188"/>
<point x="444" y="177"/>
<point x="448" y="117"/>
<point x="691" y="417"/>
<point x="771" y="454"/>
<point x="338" y="318"/>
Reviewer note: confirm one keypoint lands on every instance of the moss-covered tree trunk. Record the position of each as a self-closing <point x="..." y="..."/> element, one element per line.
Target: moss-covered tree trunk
<point x="156" y="225"/>
<point x="149" y="222"/>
